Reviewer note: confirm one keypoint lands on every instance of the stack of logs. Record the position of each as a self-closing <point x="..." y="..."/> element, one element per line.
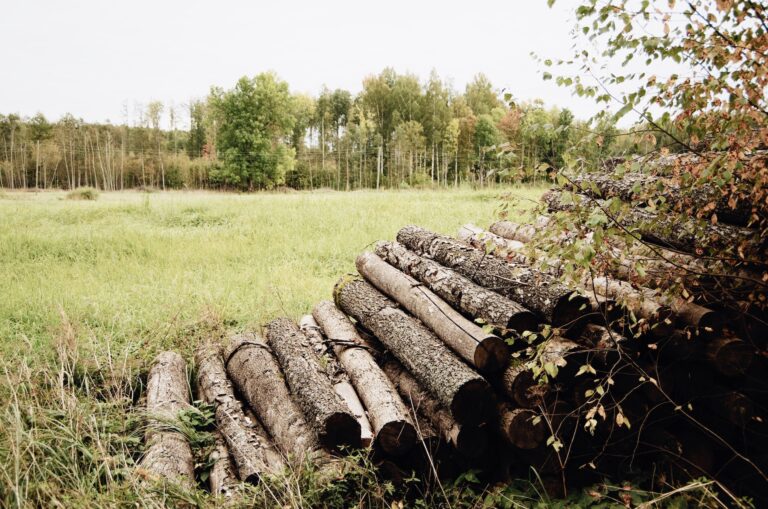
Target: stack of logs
<point x="446" y="354"/>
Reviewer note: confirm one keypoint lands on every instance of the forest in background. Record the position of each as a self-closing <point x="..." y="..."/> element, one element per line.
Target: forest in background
<point x="396" y="133"/>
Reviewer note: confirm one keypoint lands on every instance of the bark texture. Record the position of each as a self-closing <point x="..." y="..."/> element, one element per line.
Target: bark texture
<point x="393" y="428"/>
<point x="516" y="231"/>
<point x="462" y="293"/>
<point x="456" y="386"/>
<point x="337" y="375"/>
<point x="536" y="290"/>
<point x="325" y="411"/>
<point x="470" y="441"/>
<point x="222" y="478"/>
<point x="250" y="446"/>
<point x="487" y="352"/>
<point x="257" y="376"/>
<point x="168" y="454"/>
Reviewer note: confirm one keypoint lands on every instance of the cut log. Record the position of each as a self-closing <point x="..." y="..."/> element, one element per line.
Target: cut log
<point x="250" y="446"/>
<point x="487" y="352"/>
<point x="607" y="345"/>
<point x="168" y="454"/>
<point x="520" y="232"/>
<point x="257" y="376"/>
<point x="332" y="420"/>
<point x="470" y="441"/>
<point x="520" y="428"/>
<point x="337" y="375"/>
<point x="655" y="315"/>
<point x="537" y="291"/>
<point x="518" y="383"/>
<point x="393" y="428"/>
<point x="730" y="356"/>
<point x="463" y="294"/>
<point x="669" y="230"/>
<point x="464" y="392"/>
<point x="222" y="478"/>
<point x="565" y="354"/>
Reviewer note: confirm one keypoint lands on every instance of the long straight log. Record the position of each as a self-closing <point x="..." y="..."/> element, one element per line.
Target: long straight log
<point x="460" y="389"/>
<point x="168" y="454"/>
<point x="393" y="428"/>
<point x="459" y="291"/>
<point x="257" y="376"/>
<point x="470" y="441"/>
<point x="222" y="478"/>
<point x="539" y="292"/>
<point x="487" y="352"/>
<point x="520" y="232"/>
<point x="338" y="377"/>
<point x="325" y="411"/>
<point x="250" y="446"/>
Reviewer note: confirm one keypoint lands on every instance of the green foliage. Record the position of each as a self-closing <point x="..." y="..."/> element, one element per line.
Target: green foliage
<point x="83" y="193"/>
<point x="255" y="117"/>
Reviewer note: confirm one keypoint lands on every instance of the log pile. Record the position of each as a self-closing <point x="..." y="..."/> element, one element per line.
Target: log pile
<point x="446" y="354"/>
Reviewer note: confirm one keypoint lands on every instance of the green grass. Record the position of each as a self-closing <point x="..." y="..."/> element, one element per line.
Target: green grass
<point x="90" y="291"/>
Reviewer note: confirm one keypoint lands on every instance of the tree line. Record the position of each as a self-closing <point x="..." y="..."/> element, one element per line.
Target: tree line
<point x="397" y="132"/>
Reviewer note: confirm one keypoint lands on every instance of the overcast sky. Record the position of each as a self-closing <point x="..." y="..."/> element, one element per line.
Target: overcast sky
<point x="91" y="57"/>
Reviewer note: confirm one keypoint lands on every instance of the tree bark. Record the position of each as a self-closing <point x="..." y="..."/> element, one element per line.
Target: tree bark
<point x="338" y="377"/>
<point x="394" y="430"/>
<point x="472" y="299"/>
<point x="470" y="441"/>
<point x="487" y="352"/>
<point x="168" y="454"/>
<point x="253" y="453"/>
<point x="519" y="427"/>
<point x="539" y="292"/>
<point x="222" y="478"/>
<point x="520" y="232"/>
<point x="257" y="376"/>
<point x="606" y="345"/>
<point x="334" y="423"/>
<point x="464" y="392"/>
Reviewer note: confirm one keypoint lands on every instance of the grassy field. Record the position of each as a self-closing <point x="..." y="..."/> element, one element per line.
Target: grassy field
<point x="90" y="291"/>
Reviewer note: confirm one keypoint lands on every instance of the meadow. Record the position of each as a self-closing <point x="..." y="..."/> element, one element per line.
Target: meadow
<point x="90" y="291"/>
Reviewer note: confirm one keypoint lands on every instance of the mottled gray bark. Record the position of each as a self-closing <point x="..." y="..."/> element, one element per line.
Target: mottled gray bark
<point x="337" y="375"/>
<point x="470" y="441"/>
<point x="464" y="392"/>
<point x="250" y="446"/>
<point x="462" y="293"/>
<point x="332" y="420"/>
<point x="487" y="352"/>
<point x="257" y="376"/>
<point x="394" y="431"/>
<point x="540" y="292"/>
<point x="168" y="454"/>
<point x="222" y="478"/>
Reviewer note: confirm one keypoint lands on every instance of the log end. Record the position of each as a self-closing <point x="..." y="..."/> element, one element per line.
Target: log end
<point x="730" y="356"/>
<point x="523" y="321"/>
<point x="396" y="437"/>
<point x="570" y="310"/>
<point x="521" y="430"/>
<point x="491" y="354"/>
<point x="473" y="402"/>
<point x="472" y="441"/>
<point x="341" y="429"/>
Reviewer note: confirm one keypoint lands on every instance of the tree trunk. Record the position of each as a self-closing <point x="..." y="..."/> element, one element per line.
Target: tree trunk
<point x="518" y="383"/>
<point x="519" y="427"/>
<point x="537" y="291"/>
<point x="393" y="428"/>
<point x="168" y="454"/>
<point x="249" y="444"/>
<point x="325" y="411"/>
<point x="257" y="376"/>
<point x="487" y="352"/>
<point x="470" y="441"/>
<point x="222" y="478"/>
<point x="472" y="299"/>
<point x="338" y="376"/>
<point x="456" y="386"/>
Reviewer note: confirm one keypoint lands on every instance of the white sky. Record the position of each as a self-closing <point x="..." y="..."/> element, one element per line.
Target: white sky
<point x="91" y="57"/>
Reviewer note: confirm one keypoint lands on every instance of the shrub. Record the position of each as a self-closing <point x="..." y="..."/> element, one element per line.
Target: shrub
<point x="83" y="193"/>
